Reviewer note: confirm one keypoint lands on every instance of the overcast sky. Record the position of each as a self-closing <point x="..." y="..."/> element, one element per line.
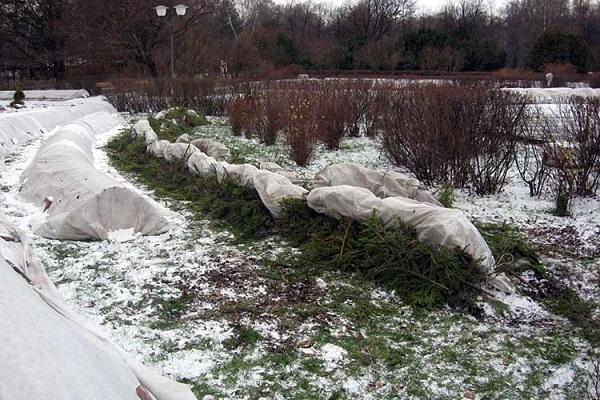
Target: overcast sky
<point x="422" y="5"/>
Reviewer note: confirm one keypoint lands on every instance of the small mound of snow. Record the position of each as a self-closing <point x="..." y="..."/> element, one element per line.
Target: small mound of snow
<point x="332" y="355"/>
<point x="122" y="235"/>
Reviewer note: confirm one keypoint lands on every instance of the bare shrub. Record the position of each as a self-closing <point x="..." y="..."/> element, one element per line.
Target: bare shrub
<point x="359" y="95"/>
<point x="269" y="115"/>
<point x="580" y="118"/>
<point x="495" y="123"/>
<point x="333" y="114"/>
<point x="463" y="136"/>
<point x="239" y="112"/>
<point x="154" y="95"/>
<point x="531" y="157"/>
<point x="300" y="127"/>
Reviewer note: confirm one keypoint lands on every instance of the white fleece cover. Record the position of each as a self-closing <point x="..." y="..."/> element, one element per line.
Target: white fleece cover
<point x="381" y="184"/>
<point x="214" y="149"/>
<point x="143" y="129"/>
<point x="272" y="188"/>
<point x="434" y="225"/>
<point x="46" y="94"/>
<point x="17" y="128"/>
<point x="86" y="203"/>
<point x="554" y="95"/>
<point x="51" y="353"/>
<point x="202" y="165"/>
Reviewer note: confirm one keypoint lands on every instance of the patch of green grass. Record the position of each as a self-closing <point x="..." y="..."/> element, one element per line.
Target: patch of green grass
<point x="171" y="310"/>
<point x="243" y="337"/>
<point x="566" y="302"/>
<point x="516" y="256"/>
<point x="499" y="307"/>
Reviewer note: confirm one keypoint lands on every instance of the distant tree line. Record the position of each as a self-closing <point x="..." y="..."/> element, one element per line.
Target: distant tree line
<point x="258" y="36"/>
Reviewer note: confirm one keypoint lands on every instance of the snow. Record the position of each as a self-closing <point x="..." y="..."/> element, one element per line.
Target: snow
<point x="122" y="235"/>
<point x="333" y="356"/>
<point x="55" y="95"/>
<point x="556" y="95"/>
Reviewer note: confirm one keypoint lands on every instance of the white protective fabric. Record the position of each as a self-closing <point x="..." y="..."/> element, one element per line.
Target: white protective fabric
<point x="273" y="188"/>
<point x="142" y="129"/>
<point x="278" y="169"/>
<point x="17" y="128"/>
<point x="381" y="184"/>
<point x="86" y="203"/>
<point x="434" y="225"/>
<point x="241" y="174"/>
<point x="212" y="148"/>
<point x="51" y="353"/>
<point x="554" y="95"/>
<point x="158" y="148"/>
<point x="185" y="138"/>
<point x="179" y="152"/>
<point x="205" y="166"/>
<point x="46" y="94"/>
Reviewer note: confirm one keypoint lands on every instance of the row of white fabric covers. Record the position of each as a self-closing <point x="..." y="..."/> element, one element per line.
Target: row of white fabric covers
<point x="84" y="203"/>
<point x="344" y="190"/>
<point x="17" y="128"/>
<point x="51" y="353"/>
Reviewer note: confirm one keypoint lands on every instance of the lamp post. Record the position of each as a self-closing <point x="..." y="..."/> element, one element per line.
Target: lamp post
<point x="161" y="11"/>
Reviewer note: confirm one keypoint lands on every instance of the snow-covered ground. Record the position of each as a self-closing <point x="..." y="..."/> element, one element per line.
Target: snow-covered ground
<point x="226" y="317"/>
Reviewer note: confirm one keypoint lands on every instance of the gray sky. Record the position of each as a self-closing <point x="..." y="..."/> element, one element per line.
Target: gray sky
<point x="422" y="5"/>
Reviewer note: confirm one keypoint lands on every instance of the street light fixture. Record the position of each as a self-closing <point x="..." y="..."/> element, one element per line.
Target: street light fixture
<point x="161" y="11"/>
<point x="180" y="9"/>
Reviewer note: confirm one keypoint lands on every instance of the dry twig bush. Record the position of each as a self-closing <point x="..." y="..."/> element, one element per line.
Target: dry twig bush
<point x="580" y="118"/>
<point x="532" y="156"/>
<point x="463" y="136"/>
<point x="300" y="128"/>
<point x="333" y="114"/>
<point x="137" y="96"/>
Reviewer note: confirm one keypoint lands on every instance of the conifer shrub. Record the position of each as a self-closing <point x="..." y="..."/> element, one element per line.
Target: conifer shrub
<point x="239" y="208"/>
<point x="18" y="98"/>
<point x="424" y="275"/>
<point x="446" y="196"/>
<point x="176" y="122"/>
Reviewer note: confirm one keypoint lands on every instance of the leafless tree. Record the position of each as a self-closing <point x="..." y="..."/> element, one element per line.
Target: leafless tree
<point x="32" y="30"/>
<point x="126" y="29"/>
